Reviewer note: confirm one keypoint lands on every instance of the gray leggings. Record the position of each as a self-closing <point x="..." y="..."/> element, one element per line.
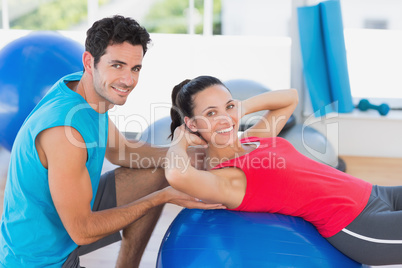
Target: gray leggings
<point x="375" y="236"/>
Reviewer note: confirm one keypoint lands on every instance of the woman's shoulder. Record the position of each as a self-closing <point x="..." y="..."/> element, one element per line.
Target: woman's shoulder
<point x="250" y="139"/>
<point x="259" y="139"/>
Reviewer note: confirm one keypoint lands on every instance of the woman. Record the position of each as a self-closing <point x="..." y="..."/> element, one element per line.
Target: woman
<point x="259" y="172"/>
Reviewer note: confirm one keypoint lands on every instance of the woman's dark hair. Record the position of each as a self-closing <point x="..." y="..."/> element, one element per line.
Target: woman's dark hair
<point x="182" y="98"/>
<point x="114" y="30"/>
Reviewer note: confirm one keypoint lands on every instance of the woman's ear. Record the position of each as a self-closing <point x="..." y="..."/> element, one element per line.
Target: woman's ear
<point x="190" y="124"/>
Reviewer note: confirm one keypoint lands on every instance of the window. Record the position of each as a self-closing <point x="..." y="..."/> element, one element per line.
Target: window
<point x="373" y="37"/>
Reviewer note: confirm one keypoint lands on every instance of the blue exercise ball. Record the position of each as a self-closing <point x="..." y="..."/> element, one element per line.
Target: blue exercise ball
<point x="222" y="238"/>
<point x="29" y="66"/>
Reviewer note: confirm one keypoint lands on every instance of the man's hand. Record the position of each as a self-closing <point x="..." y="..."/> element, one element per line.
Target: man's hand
<point x="184" y="200"/>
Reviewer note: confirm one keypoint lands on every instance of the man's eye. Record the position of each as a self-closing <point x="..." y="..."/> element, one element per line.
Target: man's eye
<point x="117" y="66"/>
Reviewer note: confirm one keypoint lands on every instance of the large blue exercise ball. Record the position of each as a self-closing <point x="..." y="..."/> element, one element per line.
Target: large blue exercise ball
<point x="221" y="238"/>
<point x="29" y="66"/>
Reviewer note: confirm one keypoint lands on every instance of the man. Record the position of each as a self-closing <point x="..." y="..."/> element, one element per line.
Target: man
<point x="57" y="205"/>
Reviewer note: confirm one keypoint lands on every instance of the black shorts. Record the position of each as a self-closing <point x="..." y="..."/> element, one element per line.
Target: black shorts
<point x="105" y="198"/>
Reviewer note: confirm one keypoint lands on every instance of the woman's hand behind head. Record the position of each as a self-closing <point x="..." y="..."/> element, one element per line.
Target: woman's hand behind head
<point x="184" y="136"/>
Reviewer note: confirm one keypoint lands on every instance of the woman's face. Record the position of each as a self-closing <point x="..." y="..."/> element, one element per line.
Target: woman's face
<point x="216" y="116"/>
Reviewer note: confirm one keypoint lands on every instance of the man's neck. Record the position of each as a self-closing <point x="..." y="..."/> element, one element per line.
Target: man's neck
<point x="86" y="89"/>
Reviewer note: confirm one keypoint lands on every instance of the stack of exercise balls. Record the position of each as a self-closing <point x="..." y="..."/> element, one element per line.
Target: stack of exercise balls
<point x="29" y="66"/>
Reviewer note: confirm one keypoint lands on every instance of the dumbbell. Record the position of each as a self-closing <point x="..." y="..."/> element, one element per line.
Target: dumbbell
<point x="364" y="105"/>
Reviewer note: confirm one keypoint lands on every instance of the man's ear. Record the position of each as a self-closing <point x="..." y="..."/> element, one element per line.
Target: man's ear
<point x="190" y="124"/>
<point x="88" y="62"/>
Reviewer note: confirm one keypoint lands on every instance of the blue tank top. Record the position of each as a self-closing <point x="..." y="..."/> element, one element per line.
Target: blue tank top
<point x="32" y="234"/>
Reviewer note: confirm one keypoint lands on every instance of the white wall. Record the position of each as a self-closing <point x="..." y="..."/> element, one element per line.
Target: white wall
<point x="362" y="133"/>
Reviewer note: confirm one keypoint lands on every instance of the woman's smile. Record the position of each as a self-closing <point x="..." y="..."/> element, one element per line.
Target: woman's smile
<point x="226" y="130"/>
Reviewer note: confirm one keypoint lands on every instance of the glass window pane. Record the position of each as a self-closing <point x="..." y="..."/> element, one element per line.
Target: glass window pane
<point x="173" y="16"/>
<point x="256" y="17"/>
<point x="47" y="14"/>
<point x="1" y="17"/>
<point x="373" y="36"/>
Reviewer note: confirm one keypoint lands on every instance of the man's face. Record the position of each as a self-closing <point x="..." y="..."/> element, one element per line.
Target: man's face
<point x="117" y="72"/>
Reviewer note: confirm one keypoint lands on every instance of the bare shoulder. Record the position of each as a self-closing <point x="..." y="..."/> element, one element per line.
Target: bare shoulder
<point x="60" y="142"/>
<point x="234" y="176"/>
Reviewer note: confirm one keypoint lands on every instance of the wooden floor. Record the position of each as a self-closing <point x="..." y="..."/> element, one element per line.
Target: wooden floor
<point x="381" y="171"/>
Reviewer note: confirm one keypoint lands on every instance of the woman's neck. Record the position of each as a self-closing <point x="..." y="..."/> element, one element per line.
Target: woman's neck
<point x="217" y="154"/>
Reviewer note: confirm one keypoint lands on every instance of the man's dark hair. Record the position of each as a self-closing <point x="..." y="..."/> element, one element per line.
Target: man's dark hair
<point x="114" y="30"/>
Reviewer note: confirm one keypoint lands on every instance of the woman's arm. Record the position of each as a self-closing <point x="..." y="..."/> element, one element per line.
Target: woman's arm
<point x="280" y="105"/>
<point x="222" y="186"/>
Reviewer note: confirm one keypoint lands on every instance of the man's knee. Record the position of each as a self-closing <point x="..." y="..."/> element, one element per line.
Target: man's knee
<point x="152" y="175"/>
<point x="160" y="175"/>
<point x="132" y="184"/>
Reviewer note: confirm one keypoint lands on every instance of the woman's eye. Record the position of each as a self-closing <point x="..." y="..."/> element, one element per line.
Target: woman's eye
<point x="230" y="106"/>
<point x="210" y="113"/>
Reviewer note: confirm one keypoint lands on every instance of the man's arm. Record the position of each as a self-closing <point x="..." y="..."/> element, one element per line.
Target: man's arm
<point x="71" y="191"/>
<point x="139" y="154"/>
<point x="127" y="153"/>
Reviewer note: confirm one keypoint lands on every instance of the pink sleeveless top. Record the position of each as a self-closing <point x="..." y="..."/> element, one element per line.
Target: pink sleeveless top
<point x="282" y="180"/>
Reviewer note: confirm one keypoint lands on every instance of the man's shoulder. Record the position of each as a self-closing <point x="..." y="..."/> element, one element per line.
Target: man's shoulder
<point x="72" y="77"/>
